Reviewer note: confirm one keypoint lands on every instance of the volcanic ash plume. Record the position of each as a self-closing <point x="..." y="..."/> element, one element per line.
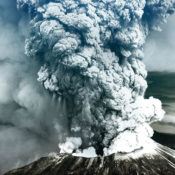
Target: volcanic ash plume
<point x="91" y="57"/>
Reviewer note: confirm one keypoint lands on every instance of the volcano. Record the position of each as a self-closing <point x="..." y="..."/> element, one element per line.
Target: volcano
<point x="161" y="161"/>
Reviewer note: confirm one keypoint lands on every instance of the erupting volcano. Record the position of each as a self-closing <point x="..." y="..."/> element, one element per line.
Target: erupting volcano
<point x="89" y="60"/>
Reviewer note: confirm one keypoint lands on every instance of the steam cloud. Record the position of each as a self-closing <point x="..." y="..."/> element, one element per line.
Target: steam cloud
<point x="88" y="55"/>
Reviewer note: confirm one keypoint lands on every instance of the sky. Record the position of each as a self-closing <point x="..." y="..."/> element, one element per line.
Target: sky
<point x="160" y="48"/>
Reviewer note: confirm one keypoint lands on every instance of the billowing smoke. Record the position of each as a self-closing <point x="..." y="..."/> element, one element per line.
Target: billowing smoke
<point x="91" y="54"/>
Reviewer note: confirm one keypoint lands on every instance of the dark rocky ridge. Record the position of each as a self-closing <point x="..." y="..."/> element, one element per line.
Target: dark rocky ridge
<point x="161" y="163"/>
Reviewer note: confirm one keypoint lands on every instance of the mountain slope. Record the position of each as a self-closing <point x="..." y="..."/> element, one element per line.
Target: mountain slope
<point x="161" y="163"/>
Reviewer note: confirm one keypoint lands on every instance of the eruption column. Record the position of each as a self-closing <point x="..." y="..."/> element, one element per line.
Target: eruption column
<point x="91" y="56"/>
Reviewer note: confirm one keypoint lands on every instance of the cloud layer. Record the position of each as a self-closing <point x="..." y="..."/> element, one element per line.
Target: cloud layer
<point x="29" y="126"/>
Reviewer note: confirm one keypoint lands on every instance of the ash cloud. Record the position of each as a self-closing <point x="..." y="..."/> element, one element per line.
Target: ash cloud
<point x="87" y="56"/>
<point x="91" y="56"/>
